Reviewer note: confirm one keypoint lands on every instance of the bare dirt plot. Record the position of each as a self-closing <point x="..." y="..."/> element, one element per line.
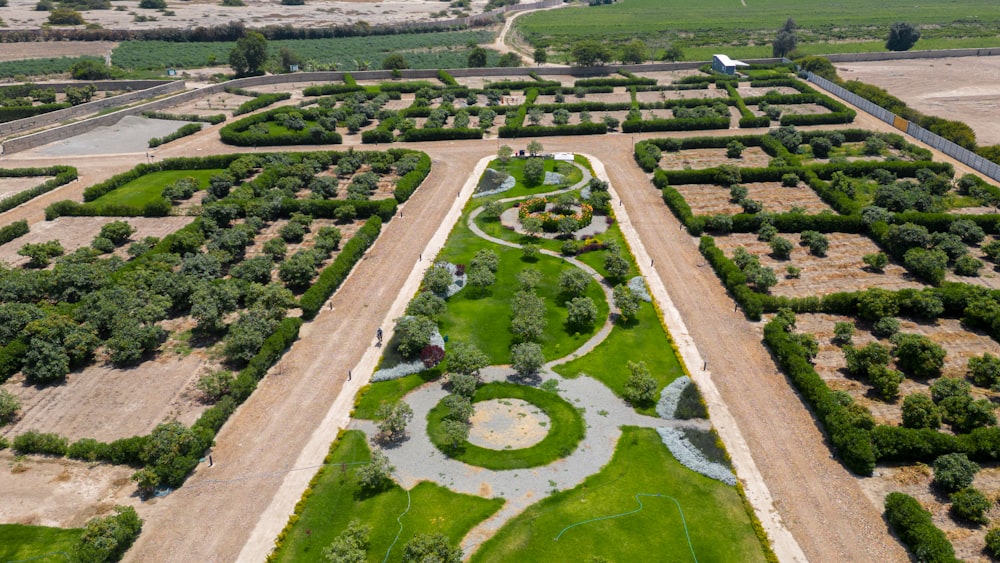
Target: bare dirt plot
<point x="74" y="232"/>
<point x="502" y="424"/>
<point x="753" y="157"/>
<point x="706" y="199"/>
<point x="754" y="92"/>
<point x="222" y="102"/>
<point x="571" y="98"/>
<point x="663" y="95"/>
<point x="35" y="50"/>
<point x="669" y="76"/>
<point x="106" y="403"/>
<point x="793" y="109"/>
<point x="941" y="87"/>
<point x="840" y="270"/>
<point x="44" y="491"/>
<point x="12" y="186"/>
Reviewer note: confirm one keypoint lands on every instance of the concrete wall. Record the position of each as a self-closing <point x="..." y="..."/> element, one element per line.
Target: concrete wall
<point x="899" y="55"/>
<point x="89" y="108"/>
<point x="101" y="85"/>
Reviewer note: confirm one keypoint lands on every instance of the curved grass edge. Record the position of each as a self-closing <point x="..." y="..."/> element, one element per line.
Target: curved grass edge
<point x="566" y="432"/>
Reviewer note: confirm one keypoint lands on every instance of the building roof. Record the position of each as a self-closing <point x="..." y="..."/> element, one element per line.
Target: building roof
<point x="725" y="60"/>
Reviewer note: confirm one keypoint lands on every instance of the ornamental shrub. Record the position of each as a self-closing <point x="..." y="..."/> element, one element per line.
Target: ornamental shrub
<point x="918" y="356"/>
<point x="916" y="529"/>
<point x="953" y="472"/>
<point x="919" y="411"/>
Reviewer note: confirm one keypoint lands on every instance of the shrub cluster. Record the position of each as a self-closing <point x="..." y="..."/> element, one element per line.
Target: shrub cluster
<point x="915" y="527"/>
<point x="189" y="129"/>
<point x="259" y="102"/>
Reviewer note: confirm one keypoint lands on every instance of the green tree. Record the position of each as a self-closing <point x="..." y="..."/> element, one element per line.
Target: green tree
<point x="477" y="58"/>
<point x="876" y="261"/>
<point x="534" y="172"/>
<point x="9" y="405"/>
<point x="504" y="153"/>
<point x="616" y="266"/>
<point x="590" y="52"/>
<point x="843" y="332"/>
<point x="65" y="16"/>
<point x="633" y="52"/>
<point x="89" y="69"/>
<point x="393" y="419"/>
<point x="919" y="411"/>
<point x="540" y="55"/>
<point x="672" y="53"/>
<point x="395" y="61"/>
<point x="465" y="357"/>
<point x="526" y="358"/>
<point x="734" y="149"/>
<point x="984" y="370"/>
<point x="640" y="387"/>
<point x="108" y="538"/>
<point x="902" y="36"/>
<point x="954" y="472"/>
<point x="480" y="278"/>
<point x="918" y="355"/>
<point x="298" y="270"/>
<point x="781" y="248"/>
<point x="574" y="281"/>
<point x="437" y="279"/>
<point x="117" y="232"/>
<point x="40" y="254"/>
<point x="581" y="312"/>
<point x="146" y="480"/>
<point x="350" y="546"/>
<point x="535" y="147"/>
<point x="510" y="60"/>
<point x="249" y="54"/>
<point x="412" y="334"/>
<point x="426" y="548"/>
<point x="626" y="301"/>
<point x="288" y="58"/>
<point x="426" y="304"/>
<point x="785" y="41"/>
<point x="971" y="505"/>
<point x="528" y="316"/>
<point x="377" y="474"/>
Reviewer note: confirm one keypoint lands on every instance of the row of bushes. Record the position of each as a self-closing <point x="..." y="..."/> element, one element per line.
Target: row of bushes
<point x="676" y="124"/>
<point x="613" y="82"/>
<point x="514" y="131"/>
<point x="12" y="113"/>
<point x="189" y="129"/>
<point x="63" y="175"/>
<point x="13" y="231"/>
<point x="417" y="134"/>
<point x="747" y="119"/>
<point x="210" y="119"/>
<point x="183" y="163"/>
<point x="914" y="526"/>
<point x="445" y="77"/>
<point x="406" y="185"/>
<point x="333" y="275"/>
<point x="331" y="89"/>
<point x="240" y="133"/>
<point x="69" y="208"/>
<point x="261" y="101"/>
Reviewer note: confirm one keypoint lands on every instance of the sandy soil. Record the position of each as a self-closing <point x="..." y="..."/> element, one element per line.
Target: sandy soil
<point x="941" y="87"/>
<point x="21" y="14"/>
<point x="706" y="199"/>
<point x="12" y="186"/>
<point x="74" y="232"/>
<point x="663" y="95"/>
<point x="106" y="403"/>
<point x="503" y="424"/>
<point x="60" y="492"/>
<point x="842" y="269"/>
<point x="753" y="157"/>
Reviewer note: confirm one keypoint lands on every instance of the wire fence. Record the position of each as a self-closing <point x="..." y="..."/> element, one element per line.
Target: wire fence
<point x="963" y="155"/>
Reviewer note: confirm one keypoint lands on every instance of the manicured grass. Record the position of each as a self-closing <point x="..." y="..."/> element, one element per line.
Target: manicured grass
<point x="389" y="392"/>
<point x="565" y="432"/>
<point x="719" y="525"/>
<point x="38" y="543"/>
<point x="484" y="320"/>
<point x="149" y="188"/>
<point x="515" y="167"/>
<point x="642" y="339"/>
<point x="337" y="499"/>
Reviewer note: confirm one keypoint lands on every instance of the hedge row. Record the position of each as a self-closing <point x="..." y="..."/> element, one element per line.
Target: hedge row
<point x="13" y="231"/>
<point x="447" y="78"/>
<point x="331" y="89"/>
<point x="732" y="277"/>
<point x="521" y="84"/>
<point x="246" y="381"/>
<point x="12" y="113"/>
<point x="189" y="129"/>
<point x="327" y="208"/>
<point x="577" y="107"/>
<point x="238" y="133"/>
<point x="406" y="185"/>
<point x="211" y="119"/>
<point x="333" y="275"/>
<point x="68" y="208"/>
<point x="440" y="134"/>
<point x="513" y="131"/>
<point x="677" y="124"/>
<point x="858" y="168"/>
<point x="613" y="82"/>
<point x="915" y="528"/>
<point x="748" y="119"/>
<point x="63" y="175"/>
<point x="182" y="163"/>
<point x="261" y="101"/>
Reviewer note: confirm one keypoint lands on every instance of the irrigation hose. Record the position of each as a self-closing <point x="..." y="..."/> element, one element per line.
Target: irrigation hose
<point x="637" y="495"/>
<point x="399" y="520"/>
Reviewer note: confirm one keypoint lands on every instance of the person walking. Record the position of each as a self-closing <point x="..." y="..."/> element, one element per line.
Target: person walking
<point x="378" y="334"/>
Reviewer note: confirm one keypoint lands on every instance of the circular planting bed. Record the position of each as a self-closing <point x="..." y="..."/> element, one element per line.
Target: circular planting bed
<point x="565" y="430"/>
<point x="507" y="424"/>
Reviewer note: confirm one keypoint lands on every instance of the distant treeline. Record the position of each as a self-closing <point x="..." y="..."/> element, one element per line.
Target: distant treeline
<point x="225" y="32"/>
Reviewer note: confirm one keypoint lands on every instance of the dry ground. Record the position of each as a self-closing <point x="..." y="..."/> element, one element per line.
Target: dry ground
<point x="962" y="88"/>
<point x="842" y="269"/>
<point x="708" y="199"/>
<point x="12" y="186"/>
<point x="753" y="157"/>
<point x="75" y="232"/>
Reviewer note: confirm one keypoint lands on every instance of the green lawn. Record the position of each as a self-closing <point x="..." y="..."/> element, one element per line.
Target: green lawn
<point x="149" y="187"/>
<point x="484" y="320"/>
<point x="38" y="543"/>
<point x="389" y="392"/>
<point x="824" y="27"/>
<point x="515" y="167"/>
<point x="337" y="499"/>
<point x="565" y="432"/>
<point x="642" y="339"/>
<point x="719" y="525"/>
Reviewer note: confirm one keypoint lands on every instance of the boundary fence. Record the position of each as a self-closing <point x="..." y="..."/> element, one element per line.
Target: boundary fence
<point x="961" y="154"/>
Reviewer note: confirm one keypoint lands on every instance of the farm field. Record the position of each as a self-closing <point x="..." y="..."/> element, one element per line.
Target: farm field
<point x="721" y="23"/>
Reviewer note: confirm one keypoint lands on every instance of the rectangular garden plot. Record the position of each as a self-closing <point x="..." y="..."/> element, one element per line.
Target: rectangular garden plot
<point x="842" y="269"/>
<point x="707" y="199"/>
<point x="753" y="157"/>
<point x="11" y="186"/>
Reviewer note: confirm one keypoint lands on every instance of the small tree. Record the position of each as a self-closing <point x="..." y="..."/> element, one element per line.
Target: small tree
<point x="9" y="405"/>
<point x="954" y="472"/>
<point x="918" y="355"/>
<point x="426" y="548"/>
<point x="534" y="172"/>
<point x="535" y="147"/>
<point x="616" y="265"/>
<point x="395" y="61"/>
<point x="902" y="36"/>
<point x="376" y="474"/>
<point x="465" y="357"/>
<point x="971" y="505"/>
<point x="993" y="542"/>
<point x="820" y="146"/>
<point x="984" y="370"/>
<point x="413" y="334"/>
<point x="919" y="411"/>
<point x="781" y="248"/>
<point x="581" y="312"/>
<point x="843" y="332"/>
<point x="785" y="41"/>
<point x="146" y="481"/>
<point x="540" y="55"/>
<point x="480" y="278"/>
<point x="528" y="279"/>
<point x="393" y="419"/>
<point x="877" y="261"/>
<point x="735" y="149"/>
<point x="640" y="387"/>
<point x="590" y="52"/>
<point x="426" y="304"/>
<point x="477" y="58"/>
<point x="351" y="546"/>
<point x="455" y="432"/>
<point x="504" y="153"/>
<point x="574" y="281"/>
<point x="527" y="358"/>
<point x="633" y="52"/>
<point x="249" y="54"/>
<point x="817" y="242"/>
<point x="437" y="279"/>
<point x="626" y="301"/>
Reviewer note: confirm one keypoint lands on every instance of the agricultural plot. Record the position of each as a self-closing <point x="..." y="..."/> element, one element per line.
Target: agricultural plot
<point x="445" y="413"/>
<point x="213" y="301"/>
<point x="876" y="312"/>
<point x="18" y="185"/>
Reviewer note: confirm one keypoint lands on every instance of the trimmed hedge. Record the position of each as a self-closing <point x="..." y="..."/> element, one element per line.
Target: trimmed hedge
<point x="733" y="278"/>
<point x="440" y="134"/>
<point x="333" y="275"/>
<point x="381" y="134"/>
<point x="237" y="133"/>
<point x="676" y="124"/>
<point x="512" y="131"/>
<point x="446" y="78"/>
<point x="13" y="230"/>
<point x="915" y="528"/>
<point x="331" y="89"/>
<point x="63" y="175"/>
<point x="211" y="119"/>
<point x="406" y="185"/>
<point x="13" y="113"/>
<point x="189" y="129"/>
<point x="261" y="101"/>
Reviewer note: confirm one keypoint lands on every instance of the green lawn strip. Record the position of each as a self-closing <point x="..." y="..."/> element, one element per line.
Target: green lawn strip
<point x="716" y="519"/>
<point x="565" y="432"/>
<point x="389" y="392"/>
<point x="149" y="187"/>
<point x="595" y="259"/>
<point x="483" y="319"/>
<point x="515" y="167"/>
<point x="38" y="543"/>
<point x="276" y="129"/>
<point x="336" y="500"/>
<point x="642" y="339"/>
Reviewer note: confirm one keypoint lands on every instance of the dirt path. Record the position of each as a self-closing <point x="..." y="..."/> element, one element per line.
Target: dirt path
<point x="501" y="43"/>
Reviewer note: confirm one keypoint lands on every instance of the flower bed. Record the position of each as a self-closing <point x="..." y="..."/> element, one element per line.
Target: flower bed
<point x="540" y="207"/>
<point x="689" y="456"/>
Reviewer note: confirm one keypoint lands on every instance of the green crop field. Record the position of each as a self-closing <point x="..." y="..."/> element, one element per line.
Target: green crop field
<point x="728" y="25"/>
<point x="35" y="67"/>
<point x="422" y="50"/>
<point x="36" y="543"/>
